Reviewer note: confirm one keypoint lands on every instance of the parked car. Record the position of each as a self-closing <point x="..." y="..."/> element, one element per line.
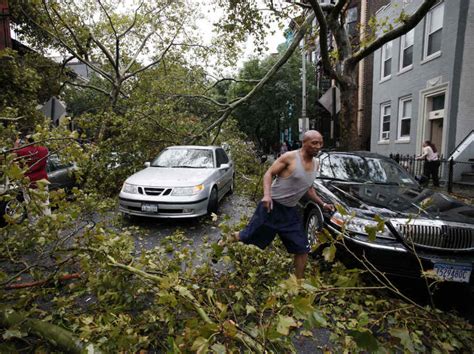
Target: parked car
<point x="60" y="175"/>
<point x="183" y="181"/>
<point x="418" y="222"/>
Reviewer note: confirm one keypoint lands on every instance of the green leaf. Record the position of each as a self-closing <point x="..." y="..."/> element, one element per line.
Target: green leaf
<point x="329" y="253"/>
<point x="371" y="232"/>
<point x="250" y="309"/>
<point x="230" y="328"/>
<point x="302" y="308"/>
<point x="200" y="345"/>
<point x="285" y="323"/>
<point x="404" y="336"/>
<point x="341" y="210"/>
<point x="317" y="319"/>
<point x="14" y="172"/>
<point x="218" y="348"/>
<point x="365" y="340"/>
<point x="13" y="333"/>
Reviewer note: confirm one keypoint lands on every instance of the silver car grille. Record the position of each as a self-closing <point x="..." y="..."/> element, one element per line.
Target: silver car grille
<point x="436" y="234"/>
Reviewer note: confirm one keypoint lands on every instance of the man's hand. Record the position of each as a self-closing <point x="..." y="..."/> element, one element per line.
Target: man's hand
<point x="328" y="207"/>
<point x="267" y="203"/>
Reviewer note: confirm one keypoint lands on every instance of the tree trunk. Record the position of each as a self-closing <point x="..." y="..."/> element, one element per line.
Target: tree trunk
<point x="349" y="135"/>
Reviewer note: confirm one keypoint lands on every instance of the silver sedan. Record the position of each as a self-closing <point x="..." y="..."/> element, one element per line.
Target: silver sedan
<point x="183" y="181"/>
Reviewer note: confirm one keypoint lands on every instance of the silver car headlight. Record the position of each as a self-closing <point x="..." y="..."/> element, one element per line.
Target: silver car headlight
<point x="187" y="191"/>
<point x="359" y="225"/>
<point x="130" y="188"/>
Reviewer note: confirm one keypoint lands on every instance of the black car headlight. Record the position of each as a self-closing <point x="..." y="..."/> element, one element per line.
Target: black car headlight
<point x="358" y="225"/>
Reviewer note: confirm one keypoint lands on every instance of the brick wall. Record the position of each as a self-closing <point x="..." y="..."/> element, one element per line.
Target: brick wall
<point x="5" y="39"/>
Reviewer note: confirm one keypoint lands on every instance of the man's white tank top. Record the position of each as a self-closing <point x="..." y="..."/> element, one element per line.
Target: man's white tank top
<point x="289" y="190"/>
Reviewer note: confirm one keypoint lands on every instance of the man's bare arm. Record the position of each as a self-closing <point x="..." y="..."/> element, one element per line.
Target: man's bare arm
<point x="317" y="199"/>
<point x="275" y="169"/>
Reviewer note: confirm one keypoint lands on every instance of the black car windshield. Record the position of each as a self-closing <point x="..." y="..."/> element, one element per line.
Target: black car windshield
<point x="365" y="169"/>
<point x="184" y="158"/>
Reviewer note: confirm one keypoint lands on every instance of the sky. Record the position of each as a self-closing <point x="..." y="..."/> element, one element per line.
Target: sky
<point x="210" y="15"/>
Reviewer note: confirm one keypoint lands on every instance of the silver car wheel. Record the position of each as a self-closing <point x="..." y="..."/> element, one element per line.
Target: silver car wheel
<point x="313" y="227"/>
<point x="15" y="209"/>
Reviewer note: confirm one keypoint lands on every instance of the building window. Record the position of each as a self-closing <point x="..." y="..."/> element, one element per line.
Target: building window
<point x="385" y="113"/>
<point x="406" y="50"/>
<point x="433" y="31"/>
<point x="404" y="118"/>
<point x="386" y="60"/>
<point x="351" y="21"/>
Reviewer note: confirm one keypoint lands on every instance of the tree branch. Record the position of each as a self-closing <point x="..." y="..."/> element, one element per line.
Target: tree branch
<point x="229" y="79"/>
<point x="134" y="21"/>
<point x="152" y="63"/>
<point x="67" y="46"/>
<point x="117" y="40"/>
<point x="8" y="119"/>
<point x="323" y="38"/>
<point x="409" y="23"/>
<point x="338" y="8"/>
<point x="98" y="89"/>
<point x="107" y="54"/>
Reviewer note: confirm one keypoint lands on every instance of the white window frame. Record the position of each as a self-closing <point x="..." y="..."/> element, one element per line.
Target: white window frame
<point x="402" y="51"/>
<point x="382" y="136"/>
<point x="429" y="15"/>
<point x="384" y="58"/>
<point x="401" y="117"/>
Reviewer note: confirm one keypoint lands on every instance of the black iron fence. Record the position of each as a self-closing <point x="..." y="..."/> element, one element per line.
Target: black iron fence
<point x="445" y="173"/>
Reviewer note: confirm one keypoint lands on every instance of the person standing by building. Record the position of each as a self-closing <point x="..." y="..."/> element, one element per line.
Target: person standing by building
<point x="431" y="166"/>
<point x="35" y="156"/>
<point x="294" y="174"/>
<point x="283" y="148"/>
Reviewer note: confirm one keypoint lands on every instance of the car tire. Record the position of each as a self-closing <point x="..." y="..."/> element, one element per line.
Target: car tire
<point x="232" y="185"/>
<point x="213" y="201"/>
<point x="313" y="225"/>
<point x="129" y="217"/>
<point x="15" y="207"/>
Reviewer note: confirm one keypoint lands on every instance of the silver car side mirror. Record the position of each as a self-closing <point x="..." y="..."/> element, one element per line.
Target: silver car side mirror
<point x="146" y="164"/>
<point x="224" y="165"/>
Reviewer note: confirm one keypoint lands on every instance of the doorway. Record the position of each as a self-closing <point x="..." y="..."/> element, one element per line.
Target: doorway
<point x="436" y="132"/>
<point x="435" y="105"/>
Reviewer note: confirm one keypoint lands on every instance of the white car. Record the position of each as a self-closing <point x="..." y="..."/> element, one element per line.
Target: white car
<point x="183" y="181"/>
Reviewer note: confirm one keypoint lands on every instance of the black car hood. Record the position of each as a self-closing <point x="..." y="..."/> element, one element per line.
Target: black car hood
<point x="396" y="201"/>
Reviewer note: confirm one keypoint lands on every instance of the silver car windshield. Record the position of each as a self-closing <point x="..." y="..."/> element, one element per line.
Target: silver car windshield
<point x="363" y="169"/>
<point x="184" y="158"/>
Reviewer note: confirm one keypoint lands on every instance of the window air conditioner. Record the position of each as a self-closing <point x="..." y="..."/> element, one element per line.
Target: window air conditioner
<point x="439" y="114"/>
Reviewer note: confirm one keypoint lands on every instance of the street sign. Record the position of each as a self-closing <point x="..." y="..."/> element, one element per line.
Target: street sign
<point x="326" y="100"/>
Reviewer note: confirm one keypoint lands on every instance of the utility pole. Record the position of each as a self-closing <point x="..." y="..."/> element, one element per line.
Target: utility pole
<point x="333" y="109"/>
<point x="303" y="123"/>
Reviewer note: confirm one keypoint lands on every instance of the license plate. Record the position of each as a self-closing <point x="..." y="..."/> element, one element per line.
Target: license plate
<point x="451" y="272"/>
<point x="150" y="208"/>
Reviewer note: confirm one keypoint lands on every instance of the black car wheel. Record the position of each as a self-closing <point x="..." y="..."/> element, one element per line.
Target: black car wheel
<point x="213" y="200"/>
<point x="232" y="185"/>
<point x="16" y="210"/>
<point x="314" y="224"/>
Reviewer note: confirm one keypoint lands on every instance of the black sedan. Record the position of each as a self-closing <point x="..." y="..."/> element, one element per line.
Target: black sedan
<point x="387" y="218"/>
